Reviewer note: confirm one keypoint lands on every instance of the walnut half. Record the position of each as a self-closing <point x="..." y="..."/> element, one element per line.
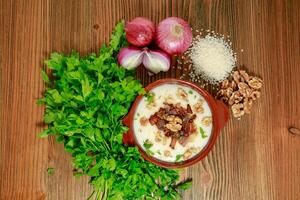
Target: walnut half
<point x="255" y="83"/>
<point x="206" y="121"/>
<point x="182" y="93"/>
<point x="167" y="153"/>
<point x="198" y="107"/>
<point x="237" y="110"/>
<point x="187" y="154"/>
<point x="144" y="121"/>
<point x="173" y="127"/>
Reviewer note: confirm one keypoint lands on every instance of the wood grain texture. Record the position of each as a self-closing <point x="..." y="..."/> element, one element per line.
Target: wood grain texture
<point x="254" y="158"/>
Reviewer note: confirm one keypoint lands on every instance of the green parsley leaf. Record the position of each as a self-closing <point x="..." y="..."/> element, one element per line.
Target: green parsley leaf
<point x="178" y="157"/>
<point x="44" y="133"/>
<point x="40" y="101"/>
<point x="147" y="144"/>
<point x="45" y="76"/>
<point x="202" y="132"/>
<point x="87" y="87"/>
<point x="149" y="97"/>
<point x="50" y="170"/>
<point x="55" y="96"/>
<point x="185" y="185"/>
<point x="150" y="152"/>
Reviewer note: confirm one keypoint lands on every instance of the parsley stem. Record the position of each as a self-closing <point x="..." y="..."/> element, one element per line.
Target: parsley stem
<point x="91" y="195"/>
<point x="105" y="191"/>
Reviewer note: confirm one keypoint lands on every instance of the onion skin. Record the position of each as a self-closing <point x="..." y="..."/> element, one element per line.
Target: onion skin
<point x="156" y="61"/>
<point x="130" y="57"/>
<point x="173" y="35"/>
<point x="140" y="31"/>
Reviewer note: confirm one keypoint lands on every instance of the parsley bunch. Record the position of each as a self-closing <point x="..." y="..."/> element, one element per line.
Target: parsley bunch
<point x="85" y="103"/>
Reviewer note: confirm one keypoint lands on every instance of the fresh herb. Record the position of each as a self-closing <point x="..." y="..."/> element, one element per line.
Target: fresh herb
<point x="45" y="77"/>
<point x="195" y="96"/>
<point x="150" y="152"/>
<point x="147" y="144"/>
<point x="202" y="132"/>
<point x="138" y="114"/>
<point x="150" y="97"/>
<point x="84" y="106"/>
<point x="50" y="170"/>
<point x="185" y="185"/>
<point x="190" y="92"/>
<point x="158" y="152"/>
<point x="178" y="157"/>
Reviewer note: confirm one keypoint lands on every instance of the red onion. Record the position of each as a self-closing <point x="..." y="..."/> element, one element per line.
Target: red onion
<point x="174" y="35"/>
<point x="130" y="57"/>
<point x="156" y="61"/>
<point x="140" y="31"/>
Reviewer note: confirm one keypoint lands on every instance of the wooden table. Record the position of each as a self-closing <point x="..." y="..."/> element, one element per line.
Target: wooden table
<point x="254" y="158"/>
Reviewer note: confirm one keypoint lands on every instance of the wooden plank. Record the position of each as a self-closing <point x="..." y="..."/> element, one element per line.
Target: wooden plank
<point x="254" y="158"/>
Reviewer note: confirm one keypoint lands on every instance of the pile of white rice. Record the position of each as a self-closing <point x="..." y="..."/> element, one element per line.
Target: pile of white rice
<point x="212" y="58"/>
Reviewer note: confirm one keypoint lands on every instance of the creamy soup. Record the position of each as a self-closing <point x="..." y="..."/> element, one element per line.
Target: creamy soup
<point x="172" y="123"/>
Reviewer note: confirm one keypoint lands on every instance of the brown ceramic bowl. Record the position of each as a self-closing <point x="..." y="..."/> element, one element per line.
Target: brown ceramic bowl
<point x="219" y="115"/>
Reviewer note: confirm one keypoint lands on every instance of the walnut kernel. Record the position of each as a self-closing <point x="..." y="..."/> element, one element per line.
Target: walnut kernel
<point x="224" y="84"/>
<point x="173" y="127"/>
<point x="169" y="99"/>
<point x="242" y="86"/>
<point x="198" y="107"/>
<point x="167" y="153"/>
<point x="236" y="97"/>
<point x="144" y="121"/>
<point x="237" y="110"/>
<point x="187" y="154"/>
<point x="221" y="93"/>
<point x="229" y="92"/>
<point x="255" y="83"/>
<point x="158" y="136"/>
<point x="206" y="121"/>
<point x="182" y="93"/>
<point x="169" y="118"/>
<point x="177" y="120"/>
<point x="245" y="75"/>
<point x="255" y="95"/>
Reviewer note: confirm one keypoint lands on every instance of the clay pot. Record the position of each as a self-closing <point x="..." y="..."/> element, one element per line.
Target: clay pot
<point x="220" y="116"/>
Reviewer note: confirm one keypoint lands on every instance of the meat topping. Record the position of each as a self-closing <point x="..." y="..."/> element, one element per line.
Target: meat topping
<point x="175" y="122"/>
